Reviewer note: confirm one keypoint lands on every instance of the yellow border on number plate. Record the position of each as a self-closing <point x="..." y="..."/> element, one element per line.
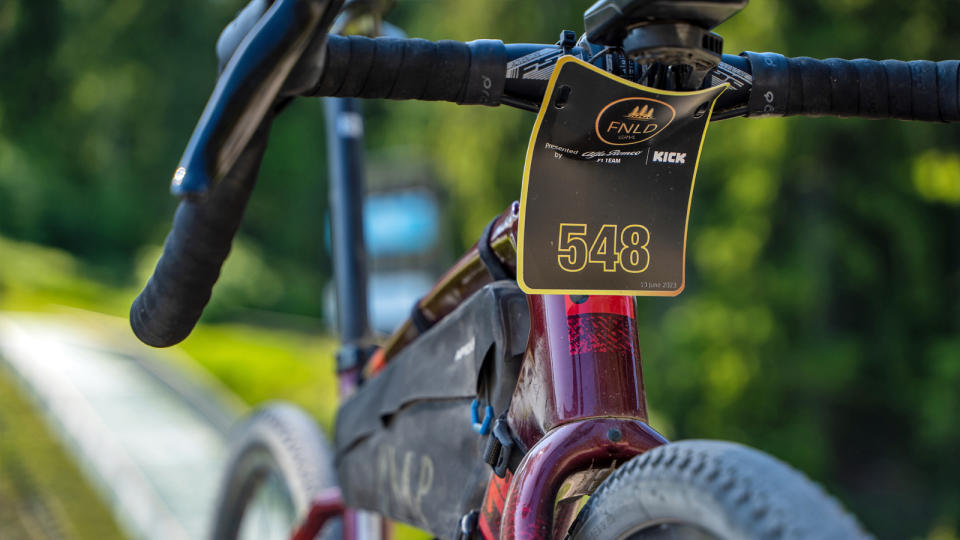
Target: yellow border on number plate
<point x="526" y="180"/>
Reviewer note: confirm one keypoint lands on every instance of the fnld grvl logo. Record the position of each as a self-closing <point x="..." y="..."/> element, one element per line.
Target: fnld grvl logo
<point x="633" y="120"/>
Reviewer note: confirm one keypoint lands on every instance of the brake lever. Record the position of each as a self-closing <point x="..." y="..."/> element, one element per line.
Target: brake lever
<point x="247" y="89"/>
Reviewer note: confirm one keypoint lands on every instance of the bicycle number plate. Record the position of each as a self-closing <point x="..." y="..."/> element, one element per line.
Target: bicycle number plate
<point x="607" y="185"/>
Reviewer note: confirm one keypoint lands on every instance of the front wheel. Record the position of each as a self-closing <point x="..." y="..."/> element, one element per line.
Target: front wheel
<point x="700" y="490"/>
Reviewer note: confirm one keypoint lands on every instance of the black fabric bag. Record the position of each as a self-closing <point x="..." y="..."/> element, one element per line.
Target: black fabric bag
<point x="405" y="444"/>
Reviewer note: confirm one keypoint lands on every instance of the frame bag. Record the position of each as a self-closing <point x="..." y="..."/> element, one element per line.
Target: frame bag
<point x="406" y="447"/>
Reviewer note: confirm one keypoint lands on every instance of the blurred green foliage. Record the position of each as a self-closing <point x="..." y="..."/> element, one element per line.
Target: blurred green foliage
<point x="821" y="319"/>
<point x="33" y="277"/>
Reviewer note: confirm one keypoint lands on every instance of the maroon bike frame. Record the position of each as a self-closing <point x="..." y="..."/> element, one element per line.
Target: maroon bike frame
<point x="579" y="404"/>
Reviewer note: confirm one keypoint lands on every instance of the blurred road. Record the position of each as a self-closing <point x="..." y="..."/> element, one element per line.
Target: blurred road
<point x="150" y="437"/>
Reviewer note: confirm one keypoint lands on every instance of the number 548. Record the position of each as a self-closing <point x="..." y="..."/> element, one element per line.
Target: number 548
<point x="628" y="249"/>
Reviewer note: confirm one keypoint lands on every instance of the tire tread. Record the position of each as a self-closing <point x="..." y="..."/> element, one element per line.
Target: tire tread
<point x="285" y="438"/>
<point x="762" y="497"/>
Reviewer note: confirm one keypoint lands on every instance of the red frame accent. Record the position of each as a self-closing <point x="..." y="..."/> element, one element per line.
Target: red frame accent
<point x="611" y="305"/>
<point x="327" y="505"/>
<point x="491" y="511"/>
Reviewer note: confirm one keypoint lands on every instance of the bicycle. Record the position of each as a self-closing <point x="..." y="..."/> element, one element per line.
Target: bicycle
<point x="529" y="379"/>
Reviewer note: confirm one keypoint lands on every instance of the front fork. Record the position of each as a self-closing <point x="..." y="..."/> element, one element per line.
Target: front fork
<point x="525" y="503"/>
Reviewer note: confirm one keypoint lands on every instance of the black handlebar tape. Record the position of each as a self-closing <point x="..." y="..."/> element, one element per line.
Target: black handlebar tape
<point x="917" y="90"/>
<point x="388" y="68"/>
<point x="170" y="305"/>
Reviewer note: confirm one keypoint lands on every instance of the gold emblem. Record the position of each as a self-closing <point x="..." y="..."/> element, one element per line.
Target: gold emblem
<point x="646" y="113"/>
<point x="633" y="120"/>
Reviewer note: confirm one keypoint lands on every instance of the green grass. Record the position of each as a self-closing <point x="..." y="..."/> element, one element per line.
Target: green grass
<point x="259" y="365"/>
<point x="42" y="494"/>
<point x="34" y="278"/>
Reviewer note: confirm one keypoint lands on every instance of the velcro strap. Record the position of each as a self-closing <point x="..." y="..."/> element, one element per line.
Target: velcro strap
<point x="494" y="265"/>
